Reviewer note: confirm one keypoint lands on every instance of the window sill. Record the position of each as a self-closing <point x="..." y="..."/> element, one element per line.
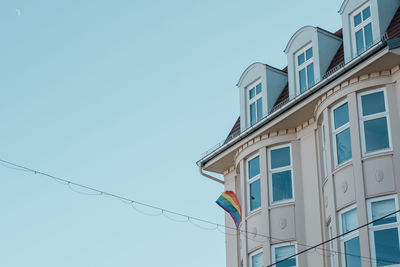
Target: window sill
<point x="254" y="213"/>
<point x="342" y="166"/>
<point x="281" y="204"/>
<point x="376" y="154"/>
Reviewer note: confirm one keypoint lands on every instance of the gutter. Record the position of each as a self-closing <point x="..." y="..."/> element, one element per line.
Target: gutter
<point x="209" y="176"/>
<point x="391" y="44"/>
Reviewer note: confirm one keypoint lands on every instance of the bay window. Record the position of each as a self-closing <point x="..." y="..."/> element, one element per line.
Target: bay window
<point x="362" y="29"/>
<point x="341" y="133"/>
<point x="253" y="183"/>
<point x="374" y="121"/>
<point x="384" y="234"/>
<point x="350" y="243"/>
<point x="305" y="68"/>
<point x="280" y="174"/>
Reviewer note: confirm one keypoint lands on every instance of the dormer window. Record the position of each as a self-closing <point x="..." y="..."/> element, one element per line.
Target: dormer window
<point x="362" y="29"/>
<point x="305" y="68"/>
<point x="255" y="109"/>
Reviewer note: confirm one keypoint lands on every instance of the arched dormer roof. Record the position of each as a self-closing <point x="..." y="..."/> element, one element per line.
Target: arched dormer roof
<point x="297" y="34"/>
<point x="247" y="70"/>
<point x="343" y="6"/>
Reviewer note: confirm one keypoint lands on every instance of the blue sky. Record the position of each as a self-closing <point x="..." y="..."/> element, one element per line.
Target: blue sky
<point x="125" y="96"/>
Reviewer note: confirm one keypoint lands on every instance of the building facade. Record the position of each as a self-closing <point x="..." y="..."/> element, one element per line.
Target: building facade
<point x="315" y="152"/>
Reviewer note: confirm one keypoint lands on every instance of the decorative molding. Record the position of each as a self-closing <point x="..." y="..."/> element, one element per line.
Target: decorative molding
<point x="283" y="223"/>
<point x="345" y="187"/>
<point x="354" y="80"/>
<point x="379" y="176"/>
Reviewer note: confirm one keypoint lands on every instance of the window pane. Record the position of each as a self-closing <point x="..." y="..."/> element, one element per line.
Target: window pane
<point x="352" y="250"/>
<point x="382" y="208"/>
<point x="251" y="93"/>
<point x="253" y="118"/>
<point x="255" y="195"/>
<point x="368" y="35"/>
<point x="282" y="185"/>
<point x="357" y="19"/>
<point x="280" y="157"/>
<point x="376" y="134"/>
<point x="310" y="75"/>
<point x="373" y="103"/>
<point x="366" y="13"/>
<point x="343" y="146"/>
<point x="341" y="115"/>
<point x="359" y="41"/>
<point x="259" y="109"/>
<point x="302" y="80"/>
<point x="257" y="260"/>
<point x="387" y="247"/>
<point x="349" y="220"/>
<point x="309" y="53"/>
<point x="282" y="253"/>
<point x="300" y="59"/>
<point x="258" y="88"/>
<point x="254" y="167"/>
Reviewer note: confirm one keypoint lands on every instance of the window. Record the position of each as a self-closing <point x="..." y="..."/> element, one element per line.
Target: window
<point x="341" y="133"/>
<point x="255" y="109"/>
<point x="384" y="234"/>
<point x="362" y="29"/>
<point x="253" y="182"/>
<point x="281" y="252"/>
<point x="350" y="243"/>
<point x="305" y="68"/>
<point x="374" y="121"/>
<point x="256" y="259"/>
<point x="280" y="174"/>
<point x="323" y="141"/>
<point x="331" y="255"/>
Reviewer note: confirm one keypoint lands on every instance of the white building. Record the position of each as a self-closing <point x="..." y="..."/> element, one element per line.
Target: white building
<point x="315" y="152"/>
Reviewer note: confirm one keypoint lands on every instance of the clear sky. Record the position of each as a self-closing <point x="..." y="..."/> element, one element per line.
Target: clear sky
<point x="125" y="96"/>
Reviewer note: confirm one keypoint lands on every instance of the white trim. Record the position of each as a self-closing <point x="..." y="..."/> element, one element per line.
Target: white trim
<point x="250" y="181"/>
<point x="304" y="66"/>
<point x="324" y="152"/>
<point x="349" y="236"/>
<point x="362" y="119"/>
<point x="254" y="253"/>
<point x="273" y="247"/>
<point x="360" y="26"/>
<point x="281" y="169"/>
<point x="372" y="228"/>
<point x="339" y="130"/>
<point x="330" y="245"/>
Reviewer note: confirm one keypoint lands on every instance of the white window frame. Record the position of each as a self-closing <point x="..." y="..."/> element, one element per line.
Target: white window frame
<point x="372" y="228"/>
<point x="339" y="130"/>
<point x="254" y="100"/>
<point x="281" y="169"/>
<point x="362" y="119"/>
<point x="254" y="253"/>
<point x="348" y="236"/>
<point x="273" y="254"/>
<point x="304" y="65"/>
<point x="250" y="181"/>
<point x="360" y="26"/>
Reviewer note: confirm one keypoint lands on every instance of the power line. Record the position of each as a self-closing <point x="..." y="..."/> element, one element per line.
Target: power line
<point x="165" y="212"/>
<point x="336" y="237"/>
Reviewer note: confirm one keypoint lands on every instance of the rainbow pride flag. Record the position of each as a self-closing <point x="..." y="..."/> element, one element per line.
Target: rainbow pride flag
<point x="230" y="203"/>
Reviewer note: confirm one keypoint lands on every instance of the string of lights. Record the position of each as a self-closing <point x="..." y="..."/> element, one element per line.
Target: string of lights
<point x="91" y="191"/>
